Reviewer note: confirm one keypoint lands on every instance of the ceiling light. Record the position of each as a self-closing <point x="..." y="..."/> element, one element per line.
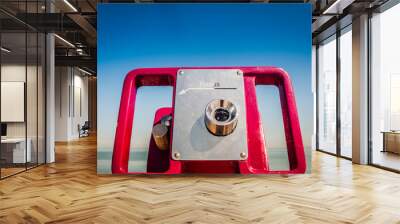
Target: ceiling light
<point x="79" y="51"/>
<point x="331" y="7"/>
<point x="70" y="5"/>
<point x="84" y="71"/>
<point x="337" y="7"/>
<point x="5" y="50"/>
<point x="65" y="41"/>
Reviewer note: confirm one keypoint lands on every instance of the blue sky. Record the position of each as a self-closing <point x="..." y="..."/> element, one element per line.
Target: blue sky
<point x="170" y="35"/>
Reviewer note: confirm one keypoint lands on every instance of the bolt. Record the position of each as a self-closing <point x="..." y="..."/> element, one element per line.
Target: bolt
<point x="166" y="120"/>
<point x="243" y="155"/>
<point x="239" y="73"/>
<point x="177" y="155"/>
<point x="181" y="72"/>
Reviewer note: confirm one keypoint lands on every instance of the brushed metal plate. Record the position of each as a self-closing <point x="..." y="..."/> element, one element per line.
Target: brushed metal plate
<point x="195" y="88"/>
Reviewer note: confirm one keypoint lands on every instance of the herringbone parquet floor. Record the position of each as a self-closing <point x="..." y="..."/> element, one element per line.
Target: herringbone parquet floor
<point x="70" y="191"/>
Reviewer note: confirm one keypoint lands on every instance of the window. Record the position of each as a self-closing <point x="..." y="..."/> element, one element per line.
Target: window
<point x="327" y="95"/>
<point x="346" y="92"/>
<point x="385" y="89"/>
<point x="22" y="88"/>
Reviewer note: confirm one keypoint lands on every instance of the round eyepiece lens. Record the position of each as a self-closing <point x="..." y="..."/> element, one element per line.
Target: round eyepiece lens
<point x="221" y="115"/>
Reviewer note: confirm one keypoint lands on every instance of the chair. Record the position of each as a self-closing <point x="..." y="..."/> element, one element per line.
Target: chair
<point x="84" y="129"/>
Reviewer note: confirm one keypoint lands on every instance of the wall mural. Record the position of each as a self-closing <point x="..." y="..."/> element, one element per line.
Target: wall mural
<point x="204" y="88"/>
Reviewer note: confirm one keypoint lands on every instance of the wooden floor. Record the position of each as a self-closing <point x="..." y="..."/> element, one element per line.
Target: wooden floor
<point x="70" y="191"/>
<point x="5" y="172"/>
<point x="387" y="159"/>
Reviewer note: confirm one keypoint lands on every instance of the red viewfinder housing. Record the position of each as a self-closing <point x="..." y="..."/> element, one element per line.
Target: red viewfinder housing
<point x="256" y="162"/>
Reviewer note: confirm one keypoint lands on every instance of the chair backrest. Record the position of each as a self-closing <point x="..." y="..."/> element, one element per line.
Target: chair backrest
<point x="86" y="125"/>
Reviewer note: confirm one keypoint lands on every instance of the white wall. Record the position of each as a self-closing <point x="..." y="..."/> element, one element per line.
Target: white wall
<point x="62" y="82"/>
<point x="33" y="126"/>
<point x="13" y="101"/>
<point x="71" y="102"/>
<point x="16" y="73"/>
<point x="80" y="103"/>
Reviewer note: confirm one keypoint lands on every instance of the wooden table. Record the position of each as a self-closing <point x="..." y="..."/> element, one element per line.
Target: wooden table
<point x="391" y="141"/>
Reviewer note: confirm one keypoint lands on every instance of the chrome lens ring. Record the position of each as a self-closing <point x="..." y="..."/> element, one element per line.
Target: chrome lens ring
<point x="221" y="117"/>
